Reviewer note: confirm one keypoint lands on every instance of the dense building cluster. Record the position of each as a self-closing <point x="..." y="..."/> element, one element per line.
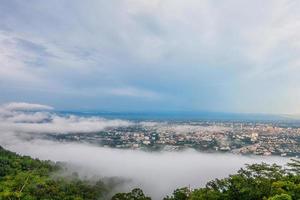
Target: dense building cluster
<point x="237" y="137"/>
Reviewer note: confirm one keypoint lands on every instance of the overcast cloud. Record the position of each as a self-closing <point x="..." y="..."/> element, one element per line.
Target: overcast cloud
<point x="152" y="55"/>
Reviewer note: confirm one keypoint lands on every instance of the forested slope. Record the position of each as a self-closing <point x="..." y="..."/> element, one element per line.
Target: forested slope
<point x="22" y="177"/>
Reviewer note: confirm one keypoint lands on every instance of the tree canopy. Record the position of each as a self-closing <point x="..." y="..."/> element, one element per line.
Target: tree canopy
<point x="22" y="177"/>
<point x="254" y="182"/>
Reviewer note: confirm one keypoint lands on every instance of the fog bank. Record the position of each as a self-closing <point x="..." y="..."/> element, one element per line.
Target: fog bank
<point x="158" y="174"/>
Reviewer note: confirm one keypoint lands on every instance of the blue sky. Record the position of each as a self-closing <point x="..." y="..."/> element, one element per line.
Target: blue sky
<point x="161" y="55"/>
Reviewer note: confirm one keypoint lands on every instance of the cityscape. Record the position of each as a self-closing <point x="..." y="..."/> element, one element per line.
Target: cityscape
<point x="247" y="138"/>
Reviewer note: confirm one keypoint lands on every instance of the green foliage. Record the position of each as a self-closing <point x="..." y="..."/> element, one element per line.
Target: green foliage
<point x="135" y="194"/>
<point x="179" y="194"/>
<point x="281" y="197"/>
<point x="257" y="181"/>
<point x="22" y="177"/>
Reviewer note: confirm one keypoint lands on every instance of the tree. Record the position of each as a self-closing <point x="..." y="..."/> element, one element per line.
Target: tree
<point x="179" y="194"/>
<point x="256" y="181"/>
<point x="281" y="197"/>
<point x="135" y="194"/>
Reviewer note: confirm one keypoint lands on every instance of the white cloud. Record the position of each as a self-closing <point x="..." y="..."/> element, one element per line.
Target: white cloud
<point x="58" y="124"/>
<point x="12" y="61"/>
<point x="15" y="119"/>
<point x="134" y="92"/>
<point x="23" y="106"/>
<point x="36" y="117"/>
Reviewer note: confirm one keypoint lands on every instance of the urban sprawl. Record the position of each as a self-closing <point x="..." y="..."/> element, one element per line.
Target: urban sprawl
<point x="236" y="137"/>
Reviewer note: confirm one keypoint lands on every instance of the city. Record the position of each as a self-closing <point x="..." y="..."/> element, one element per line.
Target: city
<point x="259" y="138"/>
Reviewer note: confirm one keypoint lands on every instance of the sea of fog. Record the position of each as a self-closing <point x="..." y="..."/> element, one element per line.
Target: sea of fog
<point x="157" y="173"/>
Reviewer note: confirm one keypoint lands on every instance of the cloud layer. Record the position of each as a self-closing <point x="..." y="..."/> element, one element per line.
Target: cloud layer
<point x="22" y="106"/>
<point x="34" y="118"/>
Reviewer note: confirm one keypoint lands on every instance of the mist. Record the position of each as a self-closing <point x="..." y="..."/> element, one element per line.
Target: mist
<point x="158" y="174"/>
<point x="35" y="118"/>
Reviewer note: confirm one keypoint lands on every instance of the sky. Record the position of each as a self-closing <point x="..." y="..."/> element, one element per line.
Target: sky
<point x="158" y="55"/>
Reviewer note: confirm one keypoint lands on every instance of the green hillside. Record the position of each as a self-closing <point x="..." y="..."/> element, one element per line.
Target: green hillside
<point x="22" y="177"/>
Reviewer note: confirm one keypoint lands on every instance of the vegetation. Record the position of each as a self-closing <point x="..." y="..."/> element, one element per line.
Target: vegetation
<point x="255" y="182"/>
<point x="22" y="177"/>
<point x="135" y="194"/>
